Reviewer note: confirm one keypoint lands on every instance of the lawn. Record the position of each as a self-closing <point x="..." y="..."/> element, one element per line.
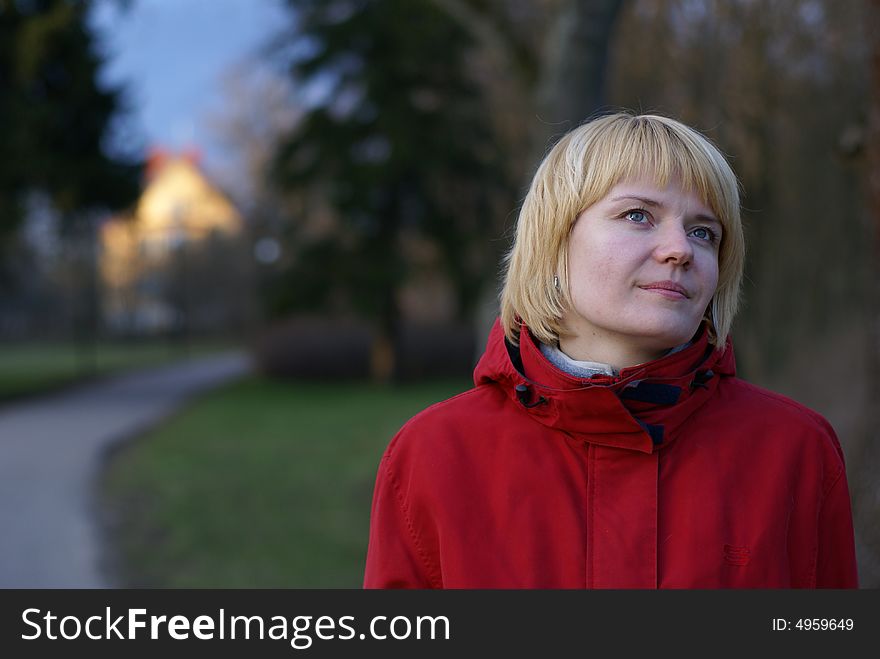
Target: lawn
<point x="33" y="367"/>
<point x="262" y="484"/>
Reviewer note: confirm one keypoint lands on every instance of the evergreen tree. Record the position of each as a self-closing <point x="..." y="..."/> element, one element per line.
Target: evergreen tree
<point x="54" y="115"/>
<point x="396" y="145"/>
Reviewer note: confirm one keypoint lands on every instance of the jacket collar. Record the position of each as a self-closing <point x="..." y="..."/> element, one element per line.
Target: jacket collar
<point x="643" y="408"/>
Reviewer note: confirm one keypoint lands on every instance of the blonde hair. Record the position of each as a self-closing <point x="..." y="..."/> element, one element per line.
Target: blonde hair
<point x="580" y="170"/>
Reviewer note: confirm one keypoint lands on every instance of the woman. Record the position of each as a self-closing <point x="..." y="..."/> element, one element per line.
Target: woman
<point x="607" y="442"/>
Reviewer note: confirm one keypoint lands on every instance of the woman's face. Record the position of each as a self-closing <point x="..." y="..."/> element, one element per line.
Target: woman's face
<point x="643" y="266"/>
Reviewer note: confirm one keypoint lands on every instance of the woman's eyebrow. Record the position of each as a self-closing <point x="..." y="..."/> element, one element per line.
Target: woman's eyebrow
<point x="644" y="200"/>
<point x="656" y="204"/>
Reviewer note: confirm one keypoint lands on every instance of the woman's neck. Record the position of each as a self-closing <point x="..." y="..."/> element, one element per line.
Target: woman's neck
<point x="577" y="368"/>
<point x="617" y="356"/>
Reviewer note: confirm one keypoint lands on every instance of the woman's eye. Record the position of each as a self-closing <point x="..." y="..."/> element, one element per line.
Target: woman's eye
<point x="636" y="216"/>
<point x="704" y="233"/>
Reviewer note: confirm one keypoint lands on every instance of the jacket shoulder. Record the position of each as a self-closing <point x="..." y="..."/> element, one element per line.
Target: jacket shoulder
<point x="459" y="416"/>
<point x="764" y="400"/>
<point x="789" y="417"/>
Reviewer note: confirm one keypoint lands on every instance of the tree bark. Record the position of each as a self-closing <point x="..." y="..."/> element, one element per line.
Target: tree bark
<point x="866" y="490"/>
<point x="573" y="67"/>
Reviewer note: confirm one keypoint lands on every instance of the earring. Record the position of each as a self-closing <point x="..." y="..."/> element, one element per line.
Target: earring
<point x="556" y="282"/>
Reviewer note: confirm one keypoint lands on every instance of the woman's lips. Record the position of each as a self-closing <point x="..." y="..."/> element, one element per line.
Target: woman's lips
<point x="667" y="289"/>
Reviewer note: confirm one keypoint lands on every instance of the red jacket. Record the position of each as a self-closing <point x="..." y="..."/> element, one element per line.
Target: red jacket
<point x="675" y="474"/>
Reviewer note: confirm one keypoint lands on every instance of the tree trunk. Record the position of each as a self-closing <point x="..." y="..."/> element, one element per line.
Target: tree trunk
<point x="573" y="67"/>
<point x="864" y="480"/>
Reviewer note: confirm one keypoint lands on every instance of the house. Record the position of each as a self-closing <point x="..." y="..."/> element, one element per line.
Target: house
<point x="152" y="263"/>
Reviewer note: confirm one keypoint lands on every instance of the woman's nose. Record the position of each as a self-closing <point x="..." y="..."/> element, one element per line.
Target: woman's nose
<point x="673" y="246"/>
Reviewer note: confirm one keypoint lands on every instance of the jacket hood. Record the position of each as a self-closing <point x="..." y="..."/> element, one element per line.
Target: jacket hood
<point x="643" y="408"/>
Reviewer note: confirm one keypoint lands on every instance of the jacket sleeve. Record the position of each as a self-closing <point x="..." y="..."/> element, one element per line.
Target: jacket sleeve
<point x="394" y="557"/>
<point x="836" y="556"/>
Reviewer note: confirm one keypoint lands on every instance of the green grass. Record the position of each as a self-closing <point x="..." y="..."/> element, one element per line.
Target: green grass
<point x="31" y="368"/>
<point x="261" y="484"/>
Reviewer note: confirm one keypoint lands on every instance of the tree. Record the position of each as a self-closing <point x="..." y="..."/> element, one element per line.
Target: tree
<point x="54" y="115"/>
<point x="54" y="120"/>
<point x="550" y="55"/>
<point x="866" y="503"/>
<point x="396" y="149"/>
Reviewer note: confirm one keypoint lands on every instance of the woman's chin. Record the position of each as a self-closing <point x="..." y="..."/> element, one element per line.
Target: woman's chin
<point x="662" y="336"/>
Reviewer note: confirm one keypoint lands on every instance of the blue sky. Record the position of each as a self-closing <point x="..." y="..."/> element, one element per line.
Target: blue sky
<point x="172" y="56"/>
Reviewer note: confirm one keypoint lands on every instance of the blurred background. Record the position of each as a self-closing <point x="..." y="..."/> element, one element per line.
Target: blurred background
<point x="322" y="190"/>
